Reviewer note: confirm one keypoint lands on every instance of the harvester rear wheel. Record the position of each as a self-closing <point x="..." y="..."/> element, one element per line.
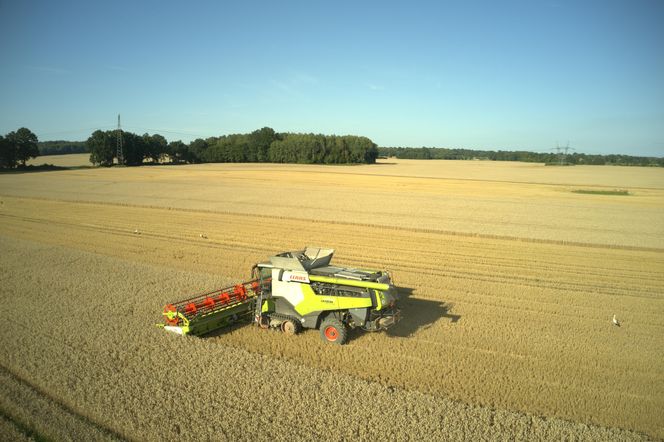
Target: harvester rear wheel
<point x="334" y="331"/>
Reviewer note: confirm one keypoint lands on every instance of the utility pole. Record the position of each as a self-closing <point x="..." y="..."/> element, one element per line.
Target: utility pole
<point x="562" y="153"/>
<point x="557" y="149"/>
<point x="120" y="155"/>
<point x="564" y="156"/>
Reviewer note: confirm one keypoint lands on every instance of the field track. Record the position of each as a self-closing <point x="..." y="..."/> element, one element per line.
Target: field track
<point x="517" y="326"/>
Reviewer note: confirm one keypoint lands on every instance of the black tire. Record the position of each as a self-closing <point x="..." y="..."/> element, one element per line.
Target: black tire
<point x="334" y="331"/>
<point x="291" y="327"/>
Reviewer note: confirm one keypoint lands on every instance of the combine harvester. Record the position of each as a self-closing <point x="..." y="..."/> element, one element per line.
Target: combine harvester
<point x="294" y="290"/>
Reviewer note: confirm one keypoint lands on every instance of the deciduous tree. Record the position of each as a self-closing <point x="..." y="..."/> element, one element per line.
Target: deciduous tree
<point x="102" y="147"/>
<point x="18" y="147"/>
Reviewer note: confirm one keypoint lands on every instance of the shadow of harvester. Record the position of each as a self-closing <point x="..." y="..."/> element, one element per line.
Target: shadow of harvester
<point x="419" y="314"/>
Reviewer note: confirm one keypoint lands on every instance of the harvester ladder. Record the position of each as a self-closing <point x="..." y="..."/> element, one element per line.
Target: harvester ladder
<point x="259" y="307"/>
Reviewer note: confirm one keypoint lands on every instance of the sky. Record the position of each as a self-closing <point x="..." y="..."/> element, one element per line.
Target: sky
<point x="500" y="75"/>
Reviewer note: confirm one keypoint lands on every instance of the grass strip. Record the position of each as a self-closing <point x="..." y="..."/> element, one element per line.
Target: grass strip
<point x="602" y="192"/>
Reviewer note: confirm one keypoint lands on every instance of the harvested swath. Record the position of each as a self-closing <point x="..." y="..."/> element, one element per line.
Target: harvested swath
<point x="106" y="366"/>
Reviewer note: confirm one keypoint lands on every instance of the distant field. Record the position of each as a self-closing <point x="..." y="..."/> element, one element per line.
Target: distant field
<point x="606" y="176"/>
<point x="493" y="199"/>
<point x="70" y="160"/>
<point x="507" y="171"/>
<point x="509" y="282"/>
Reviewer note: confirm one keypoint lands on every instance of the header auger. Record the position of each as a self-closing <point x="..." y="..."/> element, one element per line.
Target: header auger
<point x="292" y="291"/>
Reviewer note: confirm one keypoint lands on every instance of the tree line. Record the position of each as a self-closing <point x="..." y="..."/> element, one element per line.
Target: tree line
<point x="439" y="153"/>
<point x="266" y="145"/>
<point x="262" y="145"/>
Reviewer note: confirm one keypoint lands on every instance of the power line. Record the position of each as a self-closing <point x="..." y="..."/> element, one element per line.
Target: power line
<point x="177" y="132"/>
<point x="112" y="126"/>
<point x="72" y="131"/>
<point x="562" y="151"/>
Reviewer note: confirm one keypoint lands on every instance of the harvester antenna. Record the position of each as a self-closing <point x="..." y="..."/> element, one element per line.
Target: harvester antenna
<point x="119" y="144"/>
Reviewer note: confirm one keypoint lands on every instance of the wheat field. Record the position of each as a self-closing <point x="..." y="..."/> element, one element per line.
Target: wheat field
<point x="508" y="278"/>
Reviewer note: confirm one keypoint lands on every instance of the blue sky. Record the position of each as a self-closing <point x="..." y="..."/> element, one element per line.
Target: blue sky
<point x="473" y="74"/>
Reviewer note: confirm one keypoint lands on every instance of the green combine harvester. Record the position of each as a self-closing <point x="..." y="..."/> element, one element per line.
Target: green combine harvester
<point x="292" y="291"/>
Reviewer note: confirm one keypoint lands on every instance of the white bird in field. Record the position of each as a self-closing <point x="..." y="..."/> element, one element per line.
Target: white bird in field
<point x="615" y="321"/>
<point x="203" y="235"/>
<point x="136" y="232"/>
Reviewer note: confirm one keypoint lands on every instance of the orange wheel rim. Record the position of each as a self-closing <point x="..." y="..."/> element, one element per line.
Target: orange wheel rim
<point x="331" y="333"/>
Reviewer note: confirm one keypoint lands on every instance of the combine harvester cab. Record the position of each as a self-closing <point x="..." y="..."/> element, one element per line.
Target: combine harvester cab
<point x="295" y="290"/>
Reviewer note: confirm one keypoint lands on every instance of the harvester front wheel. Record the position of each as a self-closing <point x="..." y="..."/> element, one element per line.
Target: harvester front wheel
<point x="334" y="331"/>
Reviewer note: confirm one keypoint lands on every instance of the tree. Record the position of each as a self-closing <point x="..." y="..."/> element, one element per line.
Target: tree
<point x="134" y="149"/>
<point x="238" y="149"/>
<point x="26" y="145"/>
<point x="102" y="147"/>
<point x="155" y="147"/>
<point x="17" y="147"/>
<point x="7" y="154"/>
<point x="261" y="140"/>
<point x="178" y="152"/>
<point x="197" y="149"/>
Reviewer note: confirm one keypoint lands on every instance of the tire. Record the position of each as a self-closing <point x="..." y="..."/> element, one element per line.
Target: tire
<point x="334" y="331"/>
<point x="290" y="327"/>
<point x="263" y="322"/>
